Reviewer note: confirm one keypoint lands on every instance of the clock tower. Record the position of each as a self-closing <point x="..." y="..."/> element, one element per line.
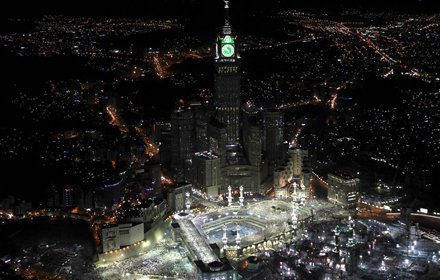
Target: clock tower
<point x="227" y="75"/>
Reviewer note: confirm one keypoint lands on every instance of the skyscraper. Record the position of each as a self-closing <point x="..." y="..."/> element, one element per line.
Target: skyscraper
<point x="252" y="141"/>
<point x="273" y="134"/>
<point x="182" y="141"/>
<point x="206" y="173"/>
<point x="218" y="131"/>
<point x="227" y="80"/>
<point x="203" y="115"/>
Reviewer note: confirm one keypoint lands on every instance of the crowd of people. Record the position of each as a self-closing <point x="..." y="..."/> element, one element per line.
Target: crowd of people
<point x="163" y="260"/>
<point x="197" y="242"/>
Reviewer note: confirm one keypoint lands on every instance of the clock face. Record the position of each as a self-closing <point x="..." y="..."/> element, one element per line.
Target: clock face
<point x="228" y="50"/>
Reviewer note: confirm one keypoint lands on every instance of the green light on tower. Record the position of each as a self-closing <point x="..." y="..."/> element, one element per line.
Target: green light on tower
<point x="228" y="50"/>
<point x="227" y="40"/>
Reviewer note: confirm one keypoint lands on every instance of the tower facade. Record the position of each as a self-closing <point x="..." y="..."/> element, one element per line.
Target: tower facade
<point x="203" y="115"/>
<point x="206" y="173"/>
<point x="252" y="141"/>
<point x="273" y="128"/>
<point x="227" y="80"/>
<point x="182" y="141"/>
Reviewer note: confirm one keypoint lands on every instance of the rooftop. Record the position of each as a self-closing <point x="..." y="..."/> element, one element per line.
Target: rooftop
<point x="343" y="175"/>
<point x="206" y="155"/>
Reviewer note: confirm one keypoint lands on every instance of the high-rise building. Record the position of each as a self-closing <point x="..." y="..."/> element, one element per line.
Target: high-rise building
<point x="217" y="131"/>
<point x="217" y="139"/>
<point x="298" y="157"/>
<point x="206" y="173"/>
<point x="203" y="115"/>
<point x="295" y="167"/>
<point x="182" y="141"/>
<point x="162" y="138"/>
<point x="273" y="129"/>
<point x="343" y="188"/>
<point x="73" y="196"/>
<point x="153" y="174"/>
<point x="252" y="141"/>
<point x="227" y="76"/>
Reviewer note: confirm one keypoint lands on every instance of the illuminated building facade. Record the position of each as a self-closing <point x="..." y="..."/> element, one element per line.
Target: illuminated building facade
<point x="176" y="196"/>
<point x="227" y="80"/>
<point x="110" y="238"/>
<point x="73" y="196"/>
<point x="217" y="131"/>
<point x="343" y="188"/>
<point x="295" y="167"/>
<point x="206" y="173"/>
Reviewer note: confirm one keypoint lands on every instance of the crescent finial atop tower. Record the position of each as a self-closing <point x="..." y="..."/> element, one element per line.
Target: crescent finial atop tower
<point x="226" y="12"/>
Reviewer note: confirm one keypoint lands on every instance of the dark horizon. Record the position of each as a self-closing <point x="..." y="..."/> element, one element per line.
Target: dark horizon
<point x="199" y="8"/>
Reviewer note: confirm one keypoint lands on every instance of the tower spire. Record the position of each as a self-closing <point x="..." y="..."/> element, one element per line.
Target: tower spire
<point x="226" y="12"/>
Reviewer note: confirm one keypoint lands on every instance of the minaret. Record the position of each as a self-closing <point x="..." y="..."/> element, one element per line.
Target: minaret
<point x="227" y="88"/>
<point x="294" y="216"/>
<point x="294" y="195"/>
<point x="337" y="232"/>
<point x="188" y="202"/>
<point x="241" y="197"/>
<point x="351" y="248"/>
<point x="229" y="196"/>
<point x="303" y="194"/>
<point x="336" y="251"/>
<point x="225" y="239"/>
<point x="350" y="233"/>
<point x="238" y="238"/>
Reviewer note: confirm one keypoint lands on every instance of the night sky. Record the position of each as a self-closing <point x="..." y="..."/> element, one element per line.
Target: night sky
<point x="200" y="8"/>
<point x="205" y="19"/>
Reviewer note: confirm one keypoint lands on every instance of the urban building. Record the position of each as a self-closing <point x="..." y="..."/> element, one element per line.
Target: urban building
<point x="206" y="173"/>
<point x="110" y="237"/>
<point x="130" y="233"/>
<point x="273" y="128"/>
<point x="115" y="236"/>
<point x="152" y="177"/>
<point x="294" y="168"/>
<point x="113" y="193"/>
<point x="176" y="199"/>
<point x="144" y="211"/>
<point x="203" y="115"/>
<point x="215" y="131"/>
<point x="73" y="196"/>
<point x="252" y="141"/>
<point x="227" y="86"/>
<point x="343" y="188"/>
<point x="162" y="138"/>
<point x="217" y="140"/>
<point x="182" y="141"/>
<point x="298" y="156"/>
